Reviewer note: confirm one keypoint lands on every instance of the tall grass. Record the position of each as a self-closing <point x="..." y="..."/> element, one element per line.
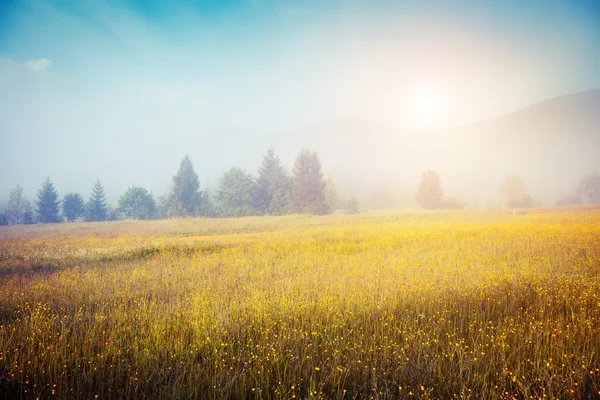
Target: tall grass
<point x="428" y="305"/>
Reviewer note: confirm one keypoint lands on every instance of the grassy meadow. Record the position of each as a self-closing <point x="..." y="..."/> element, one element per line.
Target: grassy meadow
<point x="465" y="304"/>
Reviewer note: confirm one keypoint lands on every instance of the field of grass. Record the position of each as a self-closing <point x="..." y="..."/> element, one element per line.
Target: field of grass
<point x="462" y="304"/>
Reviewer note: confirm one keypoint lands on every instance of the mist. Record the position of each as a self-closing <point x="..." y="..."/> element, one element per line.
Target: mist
<point x="383" y="91"/>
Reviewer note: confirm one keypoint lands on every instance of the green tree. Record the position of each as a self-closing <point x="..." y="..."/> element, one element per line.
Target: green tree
<point x="308" y="194"/>
<point x="514" y="193"/>
<point x="19" y="210"/>
<point x="47" y="203"/>
<point x="238" y="194"/>
<point x="73" y="206"/>
<point x="185" y="198"/>
<point x="97" y="207"/>
<point x="137" y="203"/>
<point x="589" y="188"/>
<point x="273" y="185"/>
<point x="430" y="194"/>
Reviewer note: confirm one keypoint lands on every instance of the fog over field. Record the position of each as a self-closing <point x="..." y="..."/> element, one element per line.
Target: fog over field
<point x="478" y="91"/>
<point x="299" y="199"/>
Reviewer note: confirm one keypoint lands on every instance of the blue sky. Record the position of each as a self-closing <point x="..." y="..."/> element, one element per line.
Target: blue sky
<point x="127" y="87"/>
<point x="309" y="49"/>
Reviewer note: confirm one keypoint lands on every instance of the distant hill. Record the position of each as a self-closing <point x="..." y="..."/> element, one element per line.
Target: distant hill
<point x="551" y="145"/>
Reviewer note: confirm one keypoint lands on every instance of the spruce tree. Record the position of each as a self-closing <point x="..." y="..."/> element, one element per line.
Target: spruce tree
<point x="97" y="207"/>
<point x="47" y="203"/>
<point x="308" y="189"/>
<point x="273" y="185"/>
<point x="186" y="198"/>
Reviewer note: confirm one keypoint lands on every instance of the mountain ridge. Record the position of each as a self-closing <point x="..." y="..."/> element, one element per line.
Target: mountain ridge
<point x="551" y="144"/>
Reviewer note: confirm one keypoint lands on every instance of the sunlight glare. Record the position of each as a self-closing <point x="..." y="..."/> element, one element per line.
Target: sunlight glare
<point x="427" y="107"/>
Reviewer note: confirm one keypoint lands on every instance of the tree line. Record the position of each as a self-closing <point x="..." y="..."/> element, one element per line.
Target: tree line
<point x="273" y="192"/>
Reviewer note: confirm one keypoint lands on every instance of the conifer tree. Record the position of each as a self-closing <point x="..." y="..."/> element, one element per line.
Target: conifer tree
<point x="47" y="203"/>
<point x="308" y="194"/>
<point x="97" y="207"/>
<point x="185" y="198"/>
<point x="273" y="185"/>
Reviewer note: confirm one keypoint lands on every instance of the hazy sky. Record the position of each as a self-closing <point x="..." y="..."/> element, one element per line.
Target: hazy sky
<point x="121" y="90"/>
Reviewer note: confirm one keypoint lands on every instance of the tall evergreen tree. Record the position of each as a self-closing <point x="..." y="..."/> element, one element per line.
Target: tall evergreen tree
<point x="186" y="198"/>
<point x="97" y="207"/>
<point x="273" y="185"/>
<point x="308" y="194"/>
<point x="430" y="194"/>
<point x="19" y="209"/>
<point x="47" y="203"/>
<point x="73" y="206"/>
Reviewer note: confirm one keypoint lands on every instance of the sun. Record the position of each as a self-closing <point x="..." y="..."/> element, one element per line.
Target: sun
<point x="427" y="107"/>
